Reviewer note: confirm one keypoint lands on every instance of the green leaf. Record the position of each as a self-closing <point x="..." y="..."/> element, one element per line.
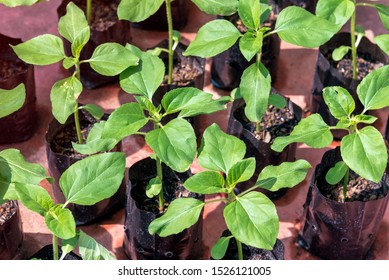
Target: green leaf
<point x="175" y="144"/>
<point x="34" y="197"/>
<point x="93" y="179"/>
<point x="191" y="102"/>
<point x="206" y="182"/>
<point x="138" y="10"/>
<point x="60" y="222"/>
<point x="252" y="219"/>
<point x="154" y="187"/>
<point x="255" y="89"/>
<point x="312" y="131"/>
<point x="42" y="50"/>
<point x="12" y="100"/>
<point x="67" y="245"/>
<point x="241" y="171"/>
<point x="90" y="249"/>
<point x="365" y="119"/>
<point x="373" y="91"/>
<point x="249" y="12"/>
<point x="336" y="173"/>
<point x="340" y="52"/>
<point x="124" y="121"/>
<point x="217" y="7"/>
<point x="365" y="153"/>
<point x="14" y="168"/>
<point x="15" y="3"/>
<point x="213" y="38"/>
<point x="181" y="214"/>
<point x="339" y="101"/>
<point x="335" y="11"/>
<point x="146" y="77"/>
<point x="74" y="27"/>
<point x="63" y="96"/>
<point x="95" y="110"/>
<point x="287" y="174"/>
<point x="251" y="44"/>
<point x="110" y="59"/>
<point x="220" y="151"/>
<point x="69" y="62"/>
<point x="299" y="27"/>
<point x="383" y="42"/>
<point x="219" y="250"/>
<point x="383" y="11"/>
<point x="277" y="101"/>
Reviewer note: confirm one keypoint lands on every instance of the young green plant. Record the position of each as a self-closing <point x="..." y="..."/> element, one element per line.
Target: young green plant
<point x="172" y="137"/>
<point x="293" y="25"/>
<point x="363" y="150"/>
<point x="139" y="10"/>
<point x="340" y="12"/>
<point x="86" y="182"/>
<point x="251" y="217"/>
<point x="108" y="59"/>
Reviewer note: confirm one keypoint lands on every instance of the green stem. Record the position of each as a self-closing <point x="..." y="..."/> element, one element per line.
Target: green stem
<point x="216" y="200"/>
<point x="259" y="57"/>
<point x="170" y="30"/>
<point x="345" y="183"/>
<point x="55" y="248"/>
<point x="240" y="250"/>
<point x="76" y="116"/>
<point x="366" y="5"/>
<point x="353" y="46"/>
<point x="89" y="11"/>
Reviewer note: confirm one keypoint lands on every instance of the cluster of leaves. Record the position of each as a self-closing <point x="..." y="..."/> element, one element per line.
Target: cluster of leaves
<point x="101" y="177"/>
<point x="250" y="216"/>
<point x="363" y="150"/>
<point x="173" y="143"/>
<point x="339" y="12"/>
<point x="108" y="59"/>
<point x="293" y="25"/>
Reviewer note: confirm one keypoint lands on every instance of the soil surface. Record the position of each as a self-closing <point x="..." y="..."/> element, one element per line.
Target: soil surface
<point x="7" y="210"/>
<point x="62" y="141"/>
<point x="104" y="13"/>
<point x="276" y="122"/>
<point x="183" y="73"/>
<point x="10" y="68"/>
<point x="358" y="189"/>
<point x="365" y="65"/>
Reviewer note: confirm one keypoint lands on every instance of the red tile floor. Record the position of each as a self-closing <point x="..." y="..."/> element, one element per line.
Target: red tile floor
<point x="295" y="75"/>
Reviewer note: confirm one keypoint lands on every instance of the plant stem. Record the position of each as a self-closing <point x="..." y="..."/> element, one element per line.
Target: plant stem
<point x="240" y="250"/>
<point x="216" y="200"/>
<point x="353" y="46"/>
<point x="160" y="176"/>
<point x="345" y="183"/>
<point x="170" y="31"/>
<point x="89" y="11"/>
<point x="76" y="116"/>
<point x="55" y="248"/>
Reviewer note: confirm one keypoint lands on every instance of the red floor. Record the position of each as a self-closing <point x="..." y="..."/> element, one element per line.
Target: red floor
<point x="296" y="67"/>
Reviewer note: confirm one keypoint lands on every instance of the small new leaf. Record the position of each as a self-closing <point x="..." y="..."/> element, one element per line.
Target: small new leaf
<point x="336" y="173"/>
<point x="154" y="187"/>
<point x="240" y="172"/>
<point x="219" y="250"/>
<point x="339" y="101"/>
<point x="340" y="52"/>
<point x="250" y="44"/>
<point x="95" y="110"/>
<point x="60" y="222"/>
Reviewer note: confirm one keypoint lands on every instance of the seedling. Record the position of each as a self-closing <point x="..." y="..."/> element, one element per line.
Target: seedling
<point x="86" y="182"/>
<point x="363" y="150"/>
<point x="250" y="216"/>
<point x="108" y="59"/>
<point x="174" y="142"/>
<point x="293" y="25"/>
<point x="339" y="12"/>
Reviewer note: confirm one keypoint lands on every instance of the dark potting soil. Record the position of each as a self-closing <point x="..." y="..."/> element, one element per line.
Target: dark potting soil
<point x="7" y="210"/>
<point x="365" y="65"/>
<point x="62" y="141"/>
<point x="358" y="189"/>
<point x="104" y="13"/>
<point x="173" y="188"/>
<point x="10" y="68"/>
<point x="276" y="122"/>
<point x="183" y="74"/>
